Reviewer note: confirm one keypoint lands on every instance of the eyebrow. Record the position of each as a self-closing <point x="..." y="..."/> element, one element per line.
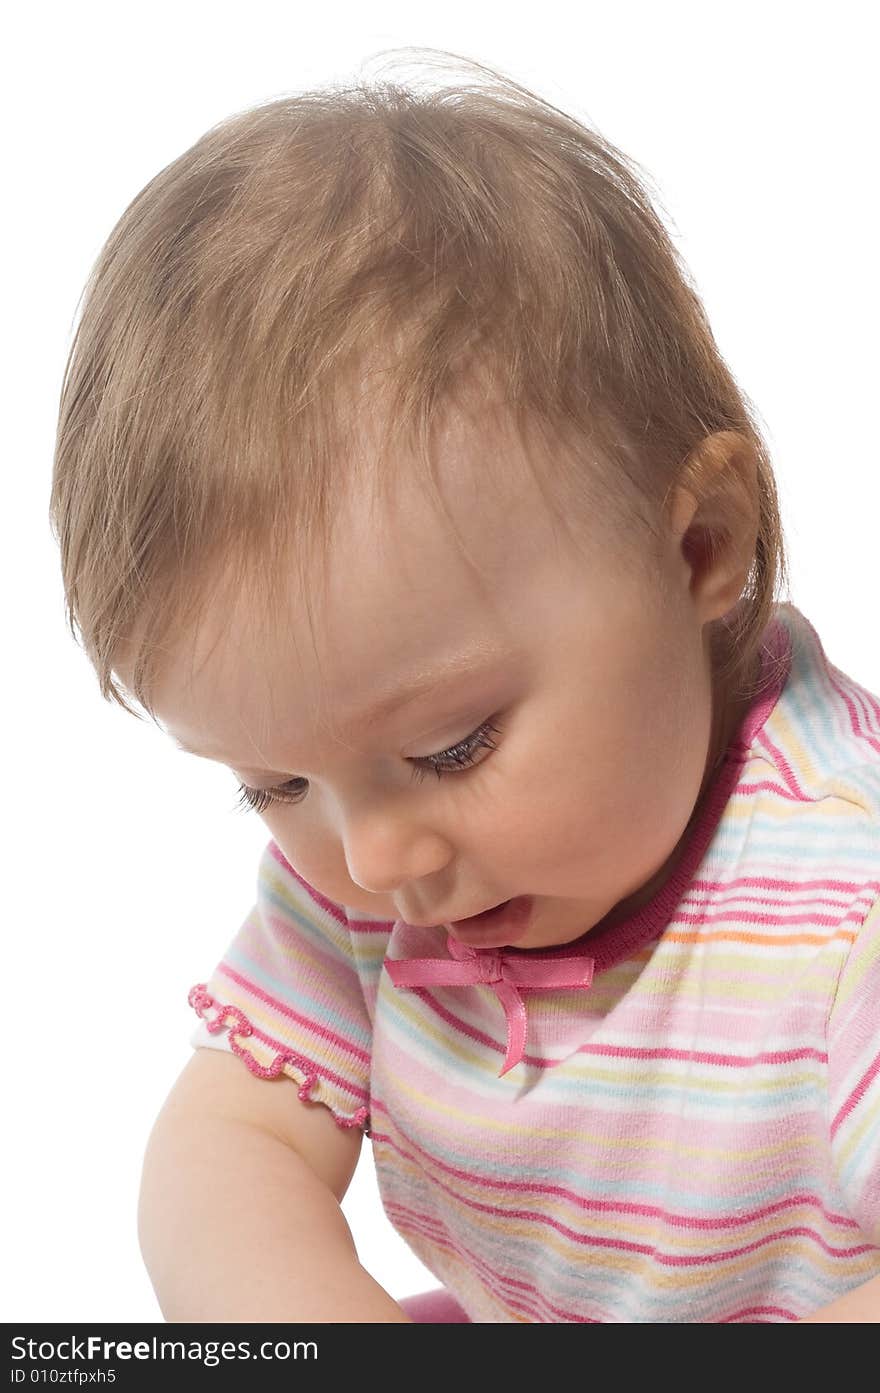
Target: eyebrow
<point x="470" y="665"/>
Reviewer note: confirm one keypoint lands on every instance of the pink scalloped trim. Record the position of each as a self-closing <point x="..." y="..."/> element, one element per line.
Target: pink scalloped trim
<point x="201" y="1001"/>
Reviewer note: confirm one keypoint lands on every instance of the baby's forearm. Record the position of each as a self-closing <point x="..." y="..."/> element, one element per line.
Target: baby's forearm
<point x="234" y="1226"/>
<point x="861" y="1306"/>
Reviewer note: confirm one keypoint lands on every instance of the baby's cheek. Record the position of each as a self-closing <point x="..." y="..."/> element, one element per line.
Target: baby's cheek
<point x="311" y="855"/>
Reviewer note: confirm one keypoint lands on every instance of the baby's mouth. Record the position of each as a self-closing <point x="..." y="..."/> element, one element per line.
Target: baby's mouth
<point x="484" y="914"/>
<point x="503" y="924"/>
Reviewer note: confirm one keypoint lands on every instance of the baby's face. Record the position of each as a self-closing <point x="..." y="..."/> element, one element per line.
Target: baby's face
<point x="594" y="677"/>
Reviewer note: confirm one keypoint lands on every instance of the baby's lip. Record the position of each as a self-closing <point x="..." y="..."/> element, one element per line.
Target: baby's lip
<point x="442" y="923"/>
<point x="466" y="917"/>
<point x="498" y="927"/>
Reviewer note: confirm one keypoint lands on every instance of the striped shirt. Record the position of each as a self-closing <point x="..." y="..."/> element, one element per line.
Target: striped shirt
<point x="695" y="1136"/>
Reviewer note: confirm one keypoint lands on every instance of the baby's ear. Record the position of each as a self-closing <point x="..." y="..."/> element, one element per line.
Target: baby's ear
<point x="714" y="513"/>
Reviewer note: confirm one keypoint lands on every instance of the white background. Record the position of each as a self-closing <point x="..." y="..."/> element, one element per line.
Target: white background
<point x="127" y="869"/>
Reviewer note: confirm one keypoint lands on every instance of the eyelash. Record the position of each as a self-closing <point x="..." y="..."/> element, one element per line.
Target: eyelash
<point x="461" y="755"/>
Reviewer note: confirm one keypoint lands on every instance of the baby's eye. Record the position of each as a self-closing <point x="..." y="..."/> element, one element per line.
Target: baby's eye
<point x="460" y="756"/>
<point x="260" y="798"/>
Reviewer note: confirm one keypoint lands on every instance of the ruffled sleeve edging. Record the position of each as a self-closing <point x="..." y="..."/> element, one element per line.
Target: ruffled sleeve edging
<point x="267" y="1059"/>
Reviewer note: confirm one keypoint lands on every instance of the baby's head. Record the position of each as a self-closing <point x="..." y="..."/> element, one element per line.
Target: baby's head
<point x="376" y="381"/>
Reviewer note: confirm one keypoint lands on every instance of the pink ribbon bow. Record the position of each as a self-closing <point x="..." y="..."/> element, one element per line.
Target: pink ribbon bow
<point x="508" y="975"/>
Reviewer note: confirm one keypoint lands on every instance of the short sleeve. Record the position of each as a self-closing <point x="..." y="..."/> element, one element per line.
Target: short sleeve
<point x="854" y="1077"/>
<point x="287" y="996"/>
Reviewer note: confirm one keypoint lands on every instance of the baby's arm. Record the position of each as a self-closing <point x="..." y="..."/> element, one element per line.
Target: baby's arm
<point x="861" y="1306"/>
<point x="239" y="1216"/>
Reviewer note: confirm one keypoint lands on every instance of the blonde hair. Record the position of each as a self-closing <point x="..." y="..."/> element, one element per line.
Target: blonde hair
<point x="433" y="239"/>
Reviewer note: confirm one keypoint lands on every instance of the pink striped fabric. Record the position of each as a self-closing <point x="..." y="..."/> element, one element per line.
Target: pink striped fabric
<point x="696" y="1136"/>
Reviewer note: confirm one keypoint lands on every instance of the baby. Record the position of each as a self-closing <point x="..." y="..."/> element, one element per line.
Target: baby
<point x="398" y="470"/>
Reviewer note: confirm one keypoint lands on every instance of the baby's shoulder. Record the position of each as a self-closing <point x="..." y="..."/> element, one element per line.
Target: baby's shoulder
<point x="308" y="916"/>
